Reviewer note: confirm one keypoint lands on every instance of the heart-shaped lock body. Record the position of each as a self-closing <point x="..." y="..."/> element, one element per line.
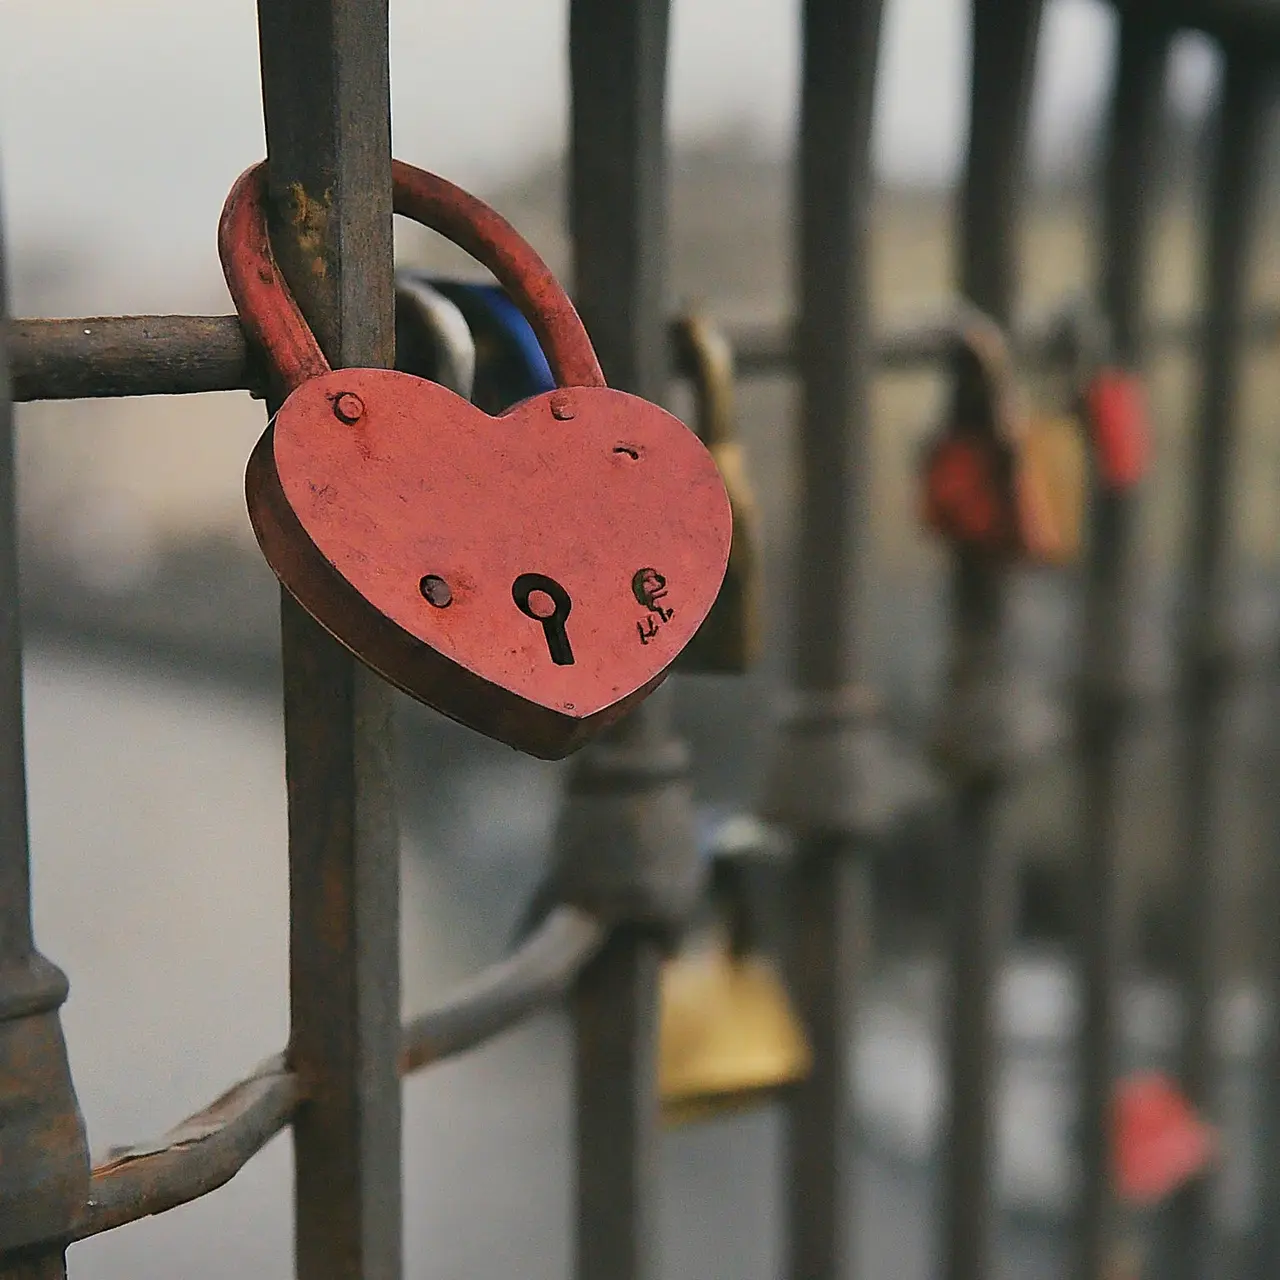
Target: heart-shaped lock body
<point x="533" y="575"/>
<point x="510" y="365"/>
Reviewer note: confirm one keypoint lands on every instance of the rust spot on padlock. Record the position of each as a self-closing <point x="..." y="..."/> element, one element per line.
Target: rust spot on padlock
<point x="561" y="406"/>
<point x="503" y="511"/>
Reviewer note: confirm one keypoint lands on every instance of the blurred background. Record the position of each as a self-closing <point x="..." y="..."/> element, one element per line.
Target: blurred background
<point x="156" y="767"/>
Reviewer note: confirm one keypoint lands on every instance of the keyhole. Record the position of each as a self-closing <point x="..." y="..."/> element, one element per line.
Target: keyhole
<point x="544" y="600"/>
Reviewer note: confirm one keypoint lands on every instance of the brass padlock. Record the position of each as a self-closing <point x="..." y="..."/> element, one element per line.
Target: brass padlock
<point x="1054" y="445"/>
<point x="997" y="484"/>
<point x="1061" y="435"/>
<point x="728" y="641"/>
<point x="729" y="1037"/>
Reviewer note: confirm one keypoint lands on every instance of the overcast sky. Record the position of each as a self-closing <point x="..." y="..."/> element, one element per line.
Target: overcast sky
<point x="122" y="124"/>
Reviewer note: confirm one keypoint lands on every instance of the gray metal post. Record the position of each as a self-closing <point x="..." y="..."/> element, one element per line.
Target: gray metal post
<point x="326" y="96"/>
<point x="1207" y="667"/>
<point x="626" y="828"/>
<point x="1004" y="44"/>
<point x="1135" y="130"/>
<point x="44" y="1158"/>
<point x="822" y="782"/>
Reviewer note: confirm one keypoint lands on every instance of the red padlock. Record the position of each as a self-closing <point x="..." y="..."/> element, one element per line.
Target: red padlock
<point x="1159" y="1141"/>
<point x="1116" y="409"/>
<point x="984" y="489"/>
<point x="532" y="576"/>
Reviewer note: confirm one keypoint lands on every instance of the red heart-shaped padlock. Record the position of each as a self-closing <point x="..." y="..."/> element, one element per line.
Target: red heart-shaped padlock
<point x="533" y="575"/>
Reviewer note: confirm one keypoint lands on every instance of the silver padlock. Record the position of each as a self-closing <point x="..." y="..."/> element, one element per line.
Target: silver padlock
<point x="433" y="338"/>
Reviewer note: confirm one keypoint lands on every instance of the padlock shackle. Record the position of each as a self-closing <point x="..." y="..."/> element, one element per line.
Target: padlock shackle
<point x="704" y="350"/>
<point x="984" y="396"/>
<point x="494" y="243"/>
<point x="272" y="319"/>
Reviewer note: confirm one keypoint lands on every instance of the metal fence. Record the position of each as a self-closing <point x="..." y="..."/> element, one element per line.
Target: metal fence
<point x="627" y="860"/>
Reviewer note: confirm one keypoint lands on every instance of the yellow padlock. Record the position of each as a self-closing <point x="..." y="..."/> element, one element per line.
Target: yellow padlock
<point x="1058" y="439"/>
<point x="729" y="1038"/>
<point x="1053" y="446"/>
<point x="728" y="641"/>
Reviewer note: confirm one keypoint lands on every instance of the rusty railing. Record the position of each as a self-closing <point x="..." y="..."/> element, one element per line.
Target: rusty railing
<point x="625" y="844"/>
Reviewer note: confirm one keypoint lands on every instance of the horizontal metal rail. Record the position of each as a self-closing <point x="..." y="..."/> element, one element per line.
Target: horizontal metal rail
<point x="109" y="356"/>
<point x="541" y="971"/>
<point x="103" y="356"/>
<point x="768" y="348"/>
<point x="209" y="1148"/>
<point x="200" y="1155"/>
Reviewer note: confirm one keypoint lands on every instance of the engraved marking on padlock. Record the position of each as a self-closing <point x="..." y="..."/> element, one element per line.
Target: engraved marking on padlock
<point x="650" y="588"/>
<point x="545" y="601"/>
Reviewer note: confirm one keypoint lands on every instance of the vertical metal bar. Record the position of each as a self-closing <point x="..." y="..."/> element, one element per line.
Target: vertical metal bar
<point x="1235" y="197"/>
<point x="829" y="883"/>
<point x="1005" y="35"/>
<point x="615" y="1013"/>
<point x="1003" y="43"/>
<point x="326" y="98"/>
<point x="44" y="1157"/>
<point x="618" y="211"/>
<point x="1135" y="128"/>
<point x="841" y="41"/>
<point x="831" y="919"/>
<point x="618" y="186"/>
<point x="1263" y="1259"/>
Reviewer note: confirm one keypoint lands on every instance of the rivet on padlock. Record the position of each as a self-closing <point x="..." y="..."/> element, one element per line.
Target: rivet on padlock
<point x="985" y="490"/>
<point x="590" y="488"/>
<point x="729" y="640"/>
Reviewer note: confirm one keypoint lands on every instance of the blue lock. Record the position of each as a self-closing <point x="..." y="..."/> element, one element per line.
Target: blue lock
<point x="510" y="365"/>
<point x="505" y="361"/>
